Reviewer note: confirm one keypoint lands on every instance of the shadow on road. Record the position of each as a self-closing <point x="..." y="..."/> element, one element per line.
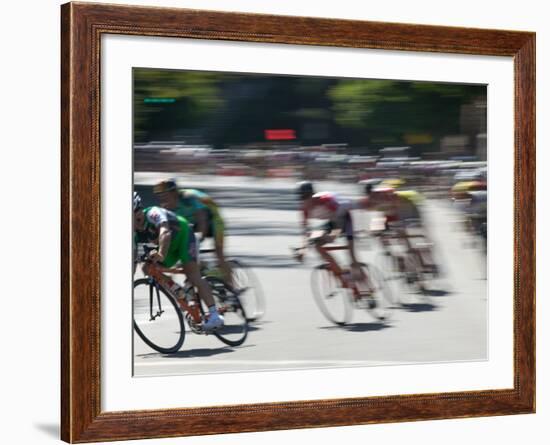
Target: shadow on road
<point x="201" y="352"/>
<point x="255" y="326"/>
<point x="365" y="327"/>
<point x="418" y="307"/>
<point x="437" y="292"/>
<point x="360" y="327"/>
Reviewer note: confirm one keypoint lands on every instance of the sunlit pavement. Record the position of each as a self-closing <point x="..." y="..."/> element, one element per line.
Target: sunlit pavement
<point x="262" y="225"/>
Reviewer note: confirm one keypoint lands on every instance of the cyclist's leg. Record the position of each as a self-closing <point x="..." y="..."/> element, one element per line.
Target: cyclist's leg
<point x="394" y="239"/>
<point x="187" y="255"/>
<point x="409" y="217"/>
<point x="327" y="237"/>
<point x="188" y="258"/>
<point x="421" y="248"/>
<point x="424" y="250"/>
<point x="347" y="229"/>
<point x="218" y="229"/>
<point x="193" y="273"/>
<point x="387" y="236"/>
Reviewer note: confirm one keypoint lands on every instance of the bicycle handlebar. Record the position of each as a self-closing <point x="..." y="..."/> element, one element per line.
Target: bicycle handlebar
<point x="145" y="259"/>
<point x="145" y="256"/>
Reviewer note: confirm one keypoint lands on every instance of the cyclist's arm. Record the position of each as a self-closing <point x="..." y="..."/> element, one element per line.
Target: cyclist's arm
<point x="165" y="236"/>
<point x="202" y="221"/>
<point x="305" y="229"/>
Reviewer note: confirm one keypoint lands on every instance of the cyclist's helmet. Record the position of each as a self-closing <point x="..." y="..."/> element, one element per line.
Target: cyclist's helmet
<point x="137" y="201"/>
<point x="305" y="190"/>
<point x="165" y="186"/>
<point x="369" y="184"/>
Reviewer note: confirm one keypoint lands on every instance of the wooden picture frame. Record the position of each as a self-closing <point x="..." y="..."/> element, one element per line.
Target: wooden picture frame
<point x="83" y="24"/>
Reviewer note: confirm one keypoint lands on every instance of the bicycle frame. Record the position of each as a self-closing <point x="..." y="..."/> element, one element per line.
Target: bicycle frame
<point x="346" y="285"/>
<point x="157" y="274"/>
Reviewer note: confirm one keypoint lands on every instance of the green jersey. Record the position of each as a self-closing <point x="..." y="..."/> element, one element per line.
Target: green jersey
<point x="182" y="240"/>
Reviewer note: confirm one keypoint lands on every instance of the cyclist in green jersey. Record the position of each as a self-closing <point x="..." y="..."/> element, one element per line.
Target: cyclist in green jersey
<point x="202" y="212"/>
<point x="176" y="243"/>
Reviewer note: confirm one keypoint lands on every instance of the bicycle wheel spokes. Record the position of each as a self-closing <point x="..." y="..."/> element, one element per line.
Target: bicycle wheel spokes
<point x="157" y="317"/>
<point x="235" y="328"/>
<point x="333" y="301"/>
<point x="251" y="294"/>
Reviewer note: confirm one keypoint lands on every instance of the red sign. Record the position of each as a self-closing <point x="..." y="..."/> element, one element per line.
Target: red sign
<point x="279" y="135"/>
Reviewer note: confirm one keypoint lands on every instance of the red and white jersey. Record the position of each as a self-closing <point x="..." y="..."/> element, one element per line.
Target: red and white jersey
<point x="327" y="206"/>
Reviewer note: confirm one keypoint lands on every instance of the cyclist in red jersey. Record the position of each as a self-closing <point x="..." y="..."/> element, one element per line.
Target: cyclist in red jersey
<point x="336" y="211"/>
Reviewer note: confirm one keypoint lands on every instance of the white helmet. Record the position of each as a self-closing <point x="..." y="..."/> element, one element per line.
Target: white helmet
<point x="137" y="201"/>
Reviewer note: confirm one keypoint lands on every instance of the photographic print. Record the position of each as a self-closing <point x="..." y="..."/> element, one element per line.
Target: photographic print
<point x="296" y="222"/>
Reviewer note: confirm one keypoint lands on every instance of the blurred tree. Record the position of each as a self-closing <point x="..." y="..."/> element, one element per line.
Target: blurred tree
<point x="196" y="96"/>
<point x="386" y="110"/>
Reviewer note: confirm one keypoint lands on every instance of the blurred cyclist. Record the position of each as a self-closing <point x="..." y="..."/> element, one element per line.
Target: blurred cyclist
<point x="202" y="212"/>
<point x="336" y="211"/>
<point x="476" y="213"/>
<point x="401" y="212"/>
<point x="176" y="242"/>
<point x="460" y="191"/>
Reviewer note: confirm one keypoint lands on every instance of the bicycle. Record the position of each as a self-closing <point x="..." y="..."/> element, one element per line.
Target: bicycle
<point x="159" y="314"/>
<point x="407" y="266"/>
<point x="337" y="295"/>
<point x="245" y="282"/>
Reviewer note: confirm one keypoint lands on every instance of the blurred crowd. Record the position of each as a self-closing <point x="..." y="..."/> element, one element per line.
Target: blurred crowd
<point x="433" y="177"/>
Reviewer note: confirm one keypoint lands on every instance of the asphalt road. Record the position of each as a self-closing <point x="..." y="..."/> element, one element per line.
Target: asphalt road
<point x="262" y="224"/>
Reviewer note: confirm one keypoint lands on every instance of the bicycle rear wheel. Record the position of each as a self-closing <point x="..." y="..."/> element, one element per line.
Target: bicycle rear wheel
<point x="250" y="291"/>
<point x="332" y="299"/>
<point x="235" y="328"/>
<point x="375" y="293"/>
<point x="158" y="319"/>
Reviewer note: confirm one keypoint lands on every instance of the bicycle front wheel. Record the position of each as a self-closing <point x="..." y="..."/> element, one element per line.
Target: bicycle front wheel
<point x="157" y="317"/>
<point x="250" y="291"/>
<point x="332" y="299"/>
<point x="235" y="328"/>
